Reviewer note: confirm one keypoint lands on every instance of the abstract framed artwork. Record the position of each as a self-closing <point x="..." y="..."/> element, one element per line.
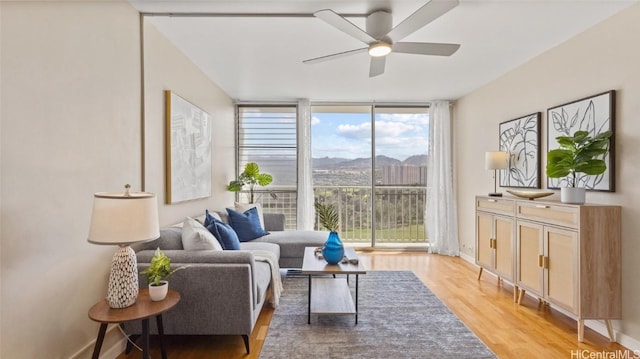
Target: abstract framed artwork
<point x="594" y="114"/>
<point x="188" y="150"/>
<point x="520" y="138"/>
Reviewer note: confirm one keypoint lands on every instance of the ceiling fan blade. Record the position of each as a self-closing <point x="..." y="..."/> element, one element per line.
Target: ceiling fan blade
<point x="376" y="67"/>
<point x="424" y="15"/>
<point x="343" y="25"/>
<point x="335" y="56"/>
<point x="425" y="48"/>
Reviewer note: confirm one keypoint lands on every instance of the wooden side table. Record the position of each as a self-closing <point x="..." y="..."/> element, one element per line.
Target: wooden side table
<point x="142" y="310"/>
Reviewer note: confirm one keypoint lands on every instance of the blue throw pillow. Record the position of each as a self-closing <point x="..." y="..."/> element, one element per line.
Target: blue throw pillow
<point x="224" y="234"/>
<point x="208" y="217"/>
<point x="247" y="225"/>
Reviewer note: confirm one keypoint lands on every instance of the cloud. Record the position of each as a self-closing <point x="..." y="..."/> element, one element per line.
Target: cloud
<point x="413" y="118"/>
<point x="384" y="128"/>
<point x="314" y="120"/>
<point x="362" y="130"/>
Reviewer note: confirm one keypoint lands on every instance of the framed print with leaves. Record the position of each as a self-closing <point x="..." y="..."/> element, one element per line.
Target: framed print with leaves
<point x="520" y="138"/>
<point x="188" y="150"/>
<point x="594" y="114"/>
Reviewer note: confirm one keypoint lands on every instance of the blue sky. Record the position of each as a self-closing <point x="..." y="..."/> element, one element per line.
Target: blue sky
<point x="348" y="135"/>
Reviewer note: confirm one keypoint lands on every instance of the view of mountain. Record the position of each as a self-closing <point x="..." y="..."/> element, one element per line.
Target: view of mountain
<point x="326" y="163"/>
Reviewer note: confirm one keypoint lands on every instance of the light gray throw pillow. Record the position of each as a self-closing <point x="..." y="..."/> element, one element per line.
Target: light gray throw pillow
<point x="195" y="237"/>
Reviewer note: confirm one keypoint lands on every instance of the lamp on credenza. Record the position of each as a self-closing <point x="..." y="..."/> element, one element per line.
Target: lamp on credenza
<point x="123" y="218"/>
<point x="496" y="160"/>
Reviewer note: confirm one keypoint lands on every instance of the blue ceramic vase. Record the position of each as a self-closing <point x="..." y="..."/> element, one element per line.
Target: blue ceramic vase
<point x="333" y="250"/>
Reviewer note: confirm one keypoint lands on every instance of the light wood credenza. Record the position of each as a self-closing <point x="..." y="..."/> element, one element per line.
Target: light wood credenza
<point x="567" y="255"/>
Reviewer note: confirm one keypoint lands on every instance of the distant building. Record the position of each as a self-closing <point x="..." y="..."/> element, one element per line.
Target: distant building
<point x="404" y="175"/>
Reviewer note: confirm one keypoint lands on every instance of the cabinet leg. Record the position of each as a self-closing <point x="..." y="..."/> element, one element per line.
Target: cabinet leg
<point x="581" y="330"/>
<point x="480" y="273"/>
<point x="521" y="296"/>
<point x="612" y="334"/>
<point x="516" y="292"/>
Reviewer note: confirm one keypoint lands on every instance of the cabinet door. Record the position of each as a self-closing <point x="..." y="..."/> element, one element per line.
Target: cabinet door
<point x="561" y="267"/>
<point x="484" y="234"/>
<point x="530" y="250"/>
<point x="503" y="233"/>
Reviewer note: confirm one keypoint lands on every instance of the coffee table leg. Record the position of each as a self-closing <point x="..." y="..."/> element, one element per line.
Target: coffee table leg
<point x="356" y="299"/>
<point x="309" y="303"/>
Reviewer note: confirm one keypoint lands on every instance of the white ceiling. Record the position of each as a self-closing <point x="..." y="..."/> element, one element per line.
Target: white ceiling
<point x="260" y="58"/>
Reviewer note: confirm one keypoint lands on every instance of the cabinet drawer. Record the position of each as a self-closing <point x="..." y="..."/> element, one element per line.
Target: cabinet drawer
<point x="549" y="213"/>
<point x="495" y="205"/>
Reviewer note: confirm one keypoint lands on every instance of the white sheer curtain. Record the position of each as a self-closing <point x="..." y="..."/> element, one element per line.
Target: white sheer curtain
<point x="441" y="220"/>
<point x="305" y="210"/>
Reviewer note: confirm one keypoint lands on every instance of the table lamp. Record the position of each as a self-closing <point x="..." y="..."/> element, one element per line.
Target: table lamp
<point x="123" y="218"/>
<point x="495" y="160"/>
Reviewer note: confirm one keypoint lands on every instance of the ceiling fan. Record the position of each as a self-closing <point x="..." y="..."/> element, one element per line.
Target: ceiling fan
<point x="383" y="39"/>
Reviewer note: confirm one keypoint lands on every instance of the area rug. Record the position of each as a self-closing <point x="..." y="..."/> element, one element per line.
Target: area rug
<point x="398" y="318"/>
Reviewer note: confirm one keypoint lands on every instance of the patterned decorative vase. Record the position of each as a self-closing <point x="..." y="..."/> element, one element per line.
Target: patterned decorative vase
<point x="333" y="250"/>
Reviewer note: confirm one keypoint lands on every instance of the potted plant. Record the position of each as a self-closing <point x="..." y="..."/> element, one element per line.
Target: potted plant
<point x="333" y="250"/>
<point x="251" y="177"/>
<point x="580" y="153"/>
<point x="157" y="274"/>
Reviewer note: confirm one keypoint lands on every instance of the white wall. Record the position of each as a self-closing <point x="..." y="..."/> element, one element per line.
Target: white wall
<point x="70" y="126"/>
<point x="602" y="58"/>
<point x="166" y="68"/>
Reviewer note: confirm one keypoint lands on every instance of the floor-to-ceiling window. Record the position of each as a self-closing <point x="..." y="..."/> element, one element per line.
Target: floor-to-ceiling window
<point x="267" y="136"/>
<point x="370" y="162"/>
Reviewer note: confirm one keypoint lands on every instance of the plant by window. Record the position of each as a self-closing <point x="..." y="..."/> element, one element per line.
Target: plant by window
<point x="251" y="177"/>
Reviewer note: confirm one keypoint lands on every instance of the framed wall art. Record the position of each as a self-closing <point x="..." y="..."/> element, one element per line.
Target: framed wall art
<point x="188" y="150"/>
<point x="520" y="138"/>
<point x="594" y="114"/>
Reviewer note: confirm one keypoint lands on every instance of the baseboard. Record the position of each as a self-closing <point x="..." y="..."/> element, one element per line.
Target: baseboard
<point x="627" y="341"/>
<point x="468" y="258"/>
<point x="113" y="345"/>
<point x="600" y="327"/>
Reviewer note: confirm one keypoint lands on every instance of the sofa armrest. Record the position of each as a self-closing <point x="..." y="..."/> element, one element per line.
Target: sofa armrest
<point x="273" y="221"/>
<point x="216" y="298"/>
<point x="182" y="258"/>
<point x="207" y="256"/>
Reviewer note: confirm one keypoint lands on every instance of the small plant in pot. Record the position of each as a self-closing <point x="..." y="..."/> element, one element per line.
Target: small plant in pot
<point x="333" y="250"/>
<point x="580" y="153"/>
<point x="251" y="177"/>
<point x="158" y="272"/>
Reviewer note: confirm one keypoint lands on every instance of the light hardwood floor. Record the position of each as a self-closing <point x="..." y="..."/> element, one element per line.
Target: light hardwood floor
<point x="530" y="330"/>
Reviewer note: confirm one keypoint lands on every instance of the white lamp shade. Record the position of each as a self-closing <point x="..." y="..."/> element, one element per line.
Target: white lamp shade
<point x="496" y="160"/>
<point x="120" y="218"/>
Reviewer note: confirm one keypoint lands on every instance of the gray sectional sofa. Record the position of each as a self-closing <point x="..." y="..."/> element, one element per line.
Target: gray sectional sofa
<point x="223" y="292"/>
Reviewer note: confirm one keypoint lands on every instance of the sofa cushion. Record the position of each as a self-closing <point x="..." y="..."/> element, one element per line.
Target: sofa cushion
<point x="225" y="235"/>
<point x="263" y="246"/>
<point x="170" y="239"/>
<point x="195" y="237"/>
<point x="247" y="224"/>
<point x="210" y="216"/>
<point x="243" y="207"/>
<point x="292" y="243"/>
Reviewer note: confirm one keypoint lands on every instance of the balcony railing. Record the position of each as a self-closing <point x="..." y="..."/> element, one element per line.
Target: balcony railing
<point x="399" y="212"/>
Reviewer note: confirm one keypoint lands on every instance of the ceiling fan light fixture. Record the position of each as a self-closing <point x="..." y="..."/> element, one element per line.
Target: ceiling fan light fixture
<point x="379" y="49"/>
